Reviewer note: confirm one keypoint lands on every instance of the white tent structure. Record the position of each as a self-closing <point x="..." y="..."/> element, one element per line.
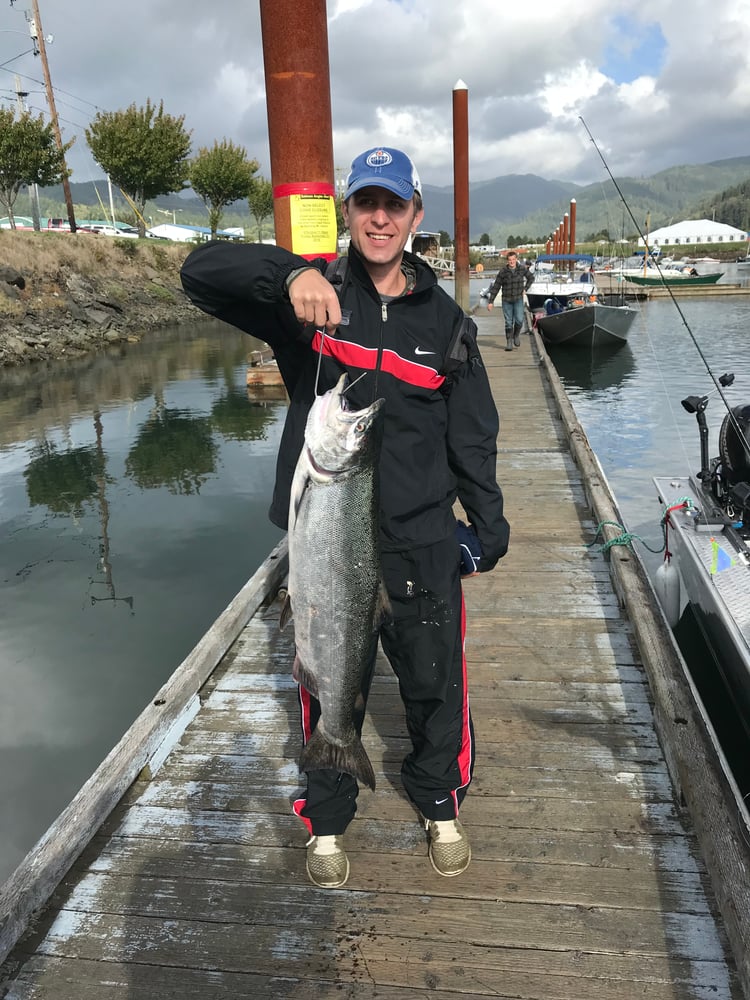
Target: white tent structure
<point x="693" y="231"/>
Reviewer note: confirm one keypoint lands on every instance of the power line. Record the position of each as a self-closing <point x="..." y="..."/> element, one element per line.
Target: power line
<point x="3" y="65"/>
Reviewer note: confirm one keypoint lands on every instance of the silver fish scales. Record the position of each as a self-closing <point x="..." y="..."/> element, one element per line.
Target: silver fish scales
<point x="336" y="595"/>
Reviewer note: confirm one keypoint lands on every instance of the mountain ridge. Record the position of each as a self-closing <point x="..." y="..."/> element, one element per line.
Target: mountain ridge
<point x="525" y="205"/>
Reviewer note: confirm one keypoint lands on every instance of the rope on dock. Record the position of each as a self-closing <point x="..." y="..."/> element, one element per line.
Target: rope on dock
<point x="624" y="538"/>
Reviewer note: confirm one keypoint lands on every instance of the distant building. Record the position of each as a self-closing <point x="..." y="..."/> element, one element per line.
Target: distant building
<point x="693" y="231"/>
<point x="427" y="244"/>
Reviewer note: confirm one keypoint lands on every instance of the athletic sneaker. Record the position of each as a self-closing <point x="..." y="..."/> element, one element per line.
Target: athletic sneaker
<point x="450" y="851"/>
<point x="327" y="863"/>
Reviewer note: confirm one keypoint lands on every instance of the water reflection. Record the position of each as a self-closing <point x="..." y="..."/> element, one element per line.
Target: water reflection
<point x="599" y="368"/>
<point x="134" y="489"/>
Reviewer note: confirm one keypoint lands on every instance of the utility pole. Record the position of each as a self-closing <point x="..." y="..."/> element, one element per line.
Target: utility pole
<point x="461" y="193"/>
<point x="35" y="27"/>
<point x="298" y="100"/>
<point x="33" y="189"/>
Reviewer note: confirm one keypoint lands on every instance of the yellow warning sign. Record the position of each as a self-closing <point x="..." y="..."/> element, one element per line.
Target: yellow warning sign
<point x="313" y="220"/>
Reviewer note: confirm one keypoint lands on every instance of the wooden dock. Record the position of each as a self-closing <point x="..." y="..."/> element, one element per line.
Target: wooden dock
<point x="590" y="879"/>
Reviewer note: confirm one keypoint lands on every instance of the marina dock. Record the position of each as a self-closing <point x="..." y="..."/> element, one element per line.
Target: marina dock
<point x="609" y="858"/>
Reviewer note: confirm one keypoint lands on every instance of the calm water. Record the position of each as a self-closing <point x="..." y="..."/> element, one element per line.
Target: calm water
<point x="133" y="495"/>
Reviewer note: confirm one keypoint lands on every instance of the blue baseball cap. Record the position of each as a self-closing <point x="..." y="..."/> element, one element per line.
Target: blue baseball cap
<point x="386" y="168"/>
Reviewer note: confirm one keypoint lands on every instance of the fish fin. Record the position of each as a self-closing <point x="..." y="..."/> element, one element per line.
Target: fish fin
<point x="318" y="754"/>
<point x="303" y="676"/>
<point x="300" y="486"/>
<point x="383" y="610"/>
<point x="286" y="612"/>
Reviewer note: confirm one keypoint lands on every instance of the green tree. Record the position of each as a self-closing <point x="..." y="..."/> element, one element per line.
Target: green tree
<point x="28" y="155"/>
<point x="445" y="240"/>
<point x="220" y="176"/>
<point x="260" y="202"/>
<point x="144" y="151"/>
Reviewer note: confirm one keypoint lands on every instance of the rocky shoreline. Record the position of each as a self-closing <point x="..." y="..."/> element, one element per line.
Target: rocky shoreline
<point x="64" y="296"/>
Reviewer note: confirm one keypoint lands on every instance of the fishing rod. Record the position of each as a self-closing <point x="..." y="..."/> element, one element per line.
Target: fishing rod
<point x="718" y="382"/>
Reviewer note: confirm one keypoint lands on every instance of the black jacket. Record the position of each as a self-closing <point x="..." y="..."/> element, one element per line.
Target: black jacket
<point x="513" y="282"/>
<point x="440" y="431"/>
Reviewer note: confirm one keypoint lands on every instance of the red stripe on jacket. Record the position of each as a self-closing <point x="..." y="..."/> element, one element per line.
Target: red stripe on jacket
<point x="346" y="352"/>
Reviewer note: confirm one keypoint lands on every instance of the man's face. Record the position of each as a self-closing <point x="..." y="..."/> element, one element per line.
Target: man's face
<point x="380" y="223"/>
<point x="512" y="260"/>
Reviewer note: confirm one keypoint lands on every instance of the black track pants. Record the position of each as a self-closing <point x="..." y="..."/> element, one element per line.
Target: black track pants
<point x="424" y="644"/>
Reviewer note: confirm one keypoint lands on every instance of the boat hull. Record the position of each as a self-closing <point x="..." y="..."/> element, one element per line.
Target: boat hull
<point x="589" y="325"/>
<point x="683" y="282"/>
<point x="720" y="600"/>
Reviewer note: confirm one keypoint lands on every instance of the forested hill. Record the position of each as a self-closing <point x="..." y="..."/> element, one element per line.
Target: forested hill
<point x="731" y="206"/>
<point x="521" y="204"/>
<point x="685" y="192"/>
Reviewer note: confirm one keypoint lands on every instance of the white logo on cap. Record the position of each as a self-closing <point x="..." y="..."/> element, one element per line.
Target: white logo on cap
<point x="379" y="158"/>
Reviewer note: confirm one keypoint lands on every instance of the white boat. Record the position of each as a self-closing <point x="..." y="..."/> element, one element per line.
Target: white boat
<point x="707" y="529"/>
<point x="565" y="282"/>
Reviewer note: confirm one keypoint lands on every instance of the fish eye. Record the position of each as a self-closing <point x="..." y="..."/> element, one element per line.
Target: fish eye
<point x="360" y="426"/>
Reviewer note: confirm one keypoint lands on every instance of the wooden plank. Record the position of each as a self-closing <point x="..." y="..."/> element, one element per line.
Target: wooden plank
<point x="297" y="933"/>
<point x="150" y="830"/>
<point x="548" y="879"/>
<point x="421" y="970"/>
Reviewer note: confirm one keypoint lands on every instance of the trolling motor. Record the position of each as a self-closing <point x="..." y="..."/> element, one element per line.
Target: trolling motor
<point x="728" y="475"/>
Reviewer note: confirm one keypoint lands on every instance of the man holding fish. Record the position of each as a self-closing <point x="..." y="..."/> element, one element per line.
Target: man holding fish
<point x="391" y="419"/>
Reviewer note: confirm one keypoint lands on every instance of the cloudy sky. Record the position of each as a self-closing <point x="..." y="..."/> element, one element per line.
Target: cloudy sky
<point x="659" y="84"/>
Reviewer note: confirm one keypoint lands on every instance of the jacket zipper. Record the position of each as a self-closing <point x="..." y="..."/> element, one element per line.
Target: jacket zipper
<point x="379" y="362"/>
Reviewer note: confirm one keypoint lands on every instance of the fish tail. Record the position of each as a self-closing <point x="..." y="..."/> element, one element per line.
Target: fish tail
<point x="318" y="754"/>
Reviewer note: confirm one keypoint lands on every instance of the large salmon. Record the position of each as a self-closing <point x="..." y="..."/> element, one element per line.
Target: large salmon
<point x="336" y="594"/>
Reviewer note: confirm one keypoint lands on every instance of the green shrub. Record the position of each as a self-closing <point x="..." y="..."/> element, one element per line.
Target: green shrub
<point x="160" y="258"/>
<point x="128" y="247"/>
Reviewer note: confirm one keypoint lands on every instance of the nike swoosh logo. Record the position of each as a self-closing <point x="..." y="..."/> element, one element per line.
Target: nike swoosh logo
<point x="418" y="350"/>
<point x="439" y="802"/>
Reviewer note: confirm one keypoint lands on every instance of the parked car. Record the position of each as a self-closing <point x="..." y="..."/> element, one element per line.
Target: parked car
<point x="127" y="231"/>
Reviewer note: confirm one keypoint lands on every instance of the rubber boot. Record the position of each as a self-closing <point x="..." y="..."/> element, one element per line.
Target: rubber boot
<point x="508" y="340"/>
<point x="516" y="335"/>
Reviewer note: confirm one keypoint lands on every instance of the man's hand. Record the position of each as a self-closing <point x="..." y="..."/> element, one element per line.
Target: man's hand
<point x="490" y="306"/>
<point x="314" y="300"/>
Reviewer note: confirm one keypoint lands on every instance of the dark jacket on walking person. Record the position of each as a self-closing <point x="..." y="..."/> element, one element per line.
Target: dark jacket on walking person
<point x="390" y="322"/>
<point x="513" y="281"/>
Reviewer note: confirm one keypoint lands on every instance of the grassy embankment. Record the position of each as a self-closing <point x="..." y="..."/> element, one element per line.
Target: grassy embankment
<point x="112" y="266"/>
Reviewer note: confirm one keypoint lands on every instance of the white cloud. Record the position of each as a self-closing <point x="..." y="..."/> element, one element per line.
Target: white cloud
<point x="531" y="70"/>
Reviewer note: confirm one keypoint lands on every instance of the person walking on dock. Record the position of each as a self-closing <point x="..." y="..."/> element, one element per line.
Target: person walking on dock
<point x="399" y="336"/>
<point x="513" y="281"/>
